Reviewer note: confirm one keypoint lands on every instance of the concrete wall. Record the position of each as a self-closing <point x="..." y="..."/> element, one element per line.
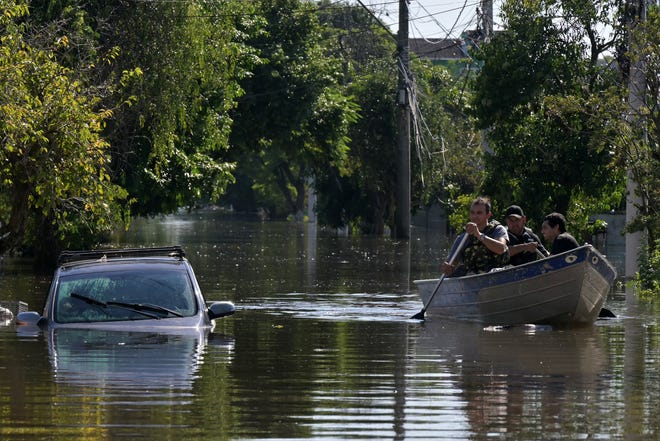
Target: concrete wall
<point x="433" y="218"/>
<point x="614" y="247"/>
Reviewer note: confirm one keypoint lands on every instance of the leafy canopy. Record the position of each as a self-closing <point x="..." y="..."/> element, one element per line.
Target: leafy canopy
<point x="55" y="185"/>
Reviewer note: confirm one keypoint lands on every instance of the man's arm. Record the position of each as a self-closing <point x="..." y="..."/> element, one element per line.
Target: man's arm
<point x="496" y="242"/>
<point x="522" y="247"/>
<point x="540" y="246"/>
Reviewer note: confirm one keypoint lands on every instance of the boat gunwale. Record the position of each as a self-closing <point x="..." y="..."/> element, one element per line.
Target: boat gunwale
<point x="509" y="269"/>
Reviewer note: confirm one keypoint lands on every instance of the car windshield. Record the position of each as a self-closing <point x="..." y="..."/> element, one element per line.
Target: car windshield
<point x="128" y="294"/>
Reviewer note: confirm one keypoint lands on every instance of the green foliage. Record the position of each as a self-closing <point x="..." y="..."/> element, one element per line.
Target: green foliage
<point x="55" y="187"/>
<point x="461" y="211"/>
<point x="363" y="190"/>
<point x="553" y="112"/>
<point x="360" y="192"/>
<point x="449" y="157"/>
<point x="445" y="144"/>
<point x="157" y="80"/>
<point x="169" y="145"/>
<point x="106" y="102"/>
<point x="640" y="139"/>
<point x="647" y="279"/>
<point x="177" y="65"/>
<point x="292" y="122"/>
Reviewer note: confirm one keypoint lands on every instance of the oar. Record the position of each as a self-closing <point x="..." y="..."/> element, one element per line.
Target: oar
<point x="420" y="314"/>
<point x="604" y="312"/>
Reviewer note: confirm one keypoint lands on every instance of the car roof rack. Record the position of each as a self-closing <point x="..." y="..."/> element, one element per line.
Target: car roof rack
<point x="110" y="253"/>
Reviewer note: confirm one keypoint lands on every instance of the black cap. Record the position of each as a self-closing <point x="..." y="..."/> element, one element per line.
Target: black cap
<point x="514" y="210"/>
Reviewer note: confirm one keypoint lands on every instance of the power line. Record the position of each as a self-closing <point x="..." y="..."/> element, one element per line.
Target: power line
<point x="389" y="31"/>
<point x="455" y="25"/>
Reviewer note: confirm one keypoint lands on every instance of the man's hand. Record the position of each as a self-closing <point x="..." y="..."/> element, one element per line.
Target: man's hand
<point x="472" y="229"/>
<point x="446" y="268"/>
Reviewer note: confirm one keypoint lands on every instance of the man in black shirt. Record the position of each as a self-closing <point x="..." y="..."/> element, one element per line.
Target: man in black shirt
<point x="554" y="231"/>
<point x="523" y="243"/>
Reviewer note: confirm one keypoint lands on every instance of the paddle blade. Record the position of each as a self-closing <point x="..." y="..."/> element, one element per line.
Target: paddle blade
<point x="419" y="315"/>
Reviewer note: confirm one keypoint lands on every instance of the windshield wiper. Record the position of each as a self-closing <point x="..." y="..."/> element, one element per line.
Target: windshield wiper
<point x="141" y="307"/>
<point x="129" y="306"/>
<point x="89" y="300"/>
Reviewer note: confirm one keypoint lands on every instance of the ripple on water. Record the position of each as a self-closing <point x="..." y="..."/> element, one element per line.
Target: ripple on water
<point x="343" y="306"/>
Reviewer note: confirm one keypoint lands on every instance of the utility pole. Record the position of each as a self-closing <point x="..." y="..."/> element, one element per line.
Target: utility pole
<point x="402" y="212"/>
<point x="486" y="34"/>
<point x="487" y="18"/>
<point x="636" y="99"/>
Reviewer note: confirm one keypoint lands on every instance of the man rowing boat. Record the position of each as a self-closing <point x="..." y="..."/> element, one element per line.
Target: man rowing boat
<point x="486" y="246"/>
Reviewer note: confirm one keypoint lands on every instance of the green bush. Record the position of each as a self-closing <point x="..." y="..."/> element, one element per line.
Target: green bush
<point x="648" y="277"/>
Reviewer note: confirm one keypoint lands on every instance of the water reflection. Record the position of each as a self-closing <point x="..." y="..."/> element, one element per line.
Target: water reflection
<point x="575" y="352"/>
<point x="133" y="361"/>
<point x="509" y="381"/>
<point x="325" y="379"/>
<point x="237" y="260"/>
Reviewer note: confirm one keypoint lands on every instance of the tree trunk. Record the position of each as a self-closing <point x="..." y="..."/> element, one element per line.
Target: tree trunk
<point x="46" y="247"/>
<point x="12" y="233"/>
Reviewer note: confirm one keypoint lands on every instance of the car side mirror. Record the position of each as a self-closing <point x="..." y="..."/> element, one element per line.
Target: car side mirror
<point x="220" y="309"/>
<point x="29" y="318"/>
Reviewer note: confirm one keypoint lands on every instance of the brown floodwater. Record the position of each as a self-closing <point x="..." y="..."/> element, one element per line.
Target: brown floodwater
<point x="322" y="347"/>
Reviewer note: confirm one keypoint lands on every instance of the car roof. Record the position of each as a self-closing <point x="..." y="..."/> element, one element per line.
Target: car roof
<point x="70" y="260"/>
<point x="112" y="253"/>
<point x="133" y="264"/>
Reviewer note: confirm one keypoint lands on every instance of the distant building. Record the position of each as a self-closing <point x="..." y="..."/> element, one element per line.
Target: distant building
<point x="439" y="50"/>
<point x="446" y="51"/>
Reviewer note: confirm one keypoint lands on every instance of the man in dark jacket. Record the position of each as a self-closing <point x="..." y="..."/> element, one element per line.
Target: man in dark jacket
<point x="523" y="243"/>
<point x="554" y="231"/>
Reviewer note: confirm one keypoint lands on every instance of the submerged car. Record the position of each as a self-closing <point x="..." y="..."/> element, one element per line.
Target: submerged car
<point x="126" y="289"/>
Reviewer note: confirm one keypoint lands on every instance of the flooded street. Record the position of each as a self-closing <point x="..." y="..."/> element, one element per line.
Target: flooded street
<point x="322" y="347"/>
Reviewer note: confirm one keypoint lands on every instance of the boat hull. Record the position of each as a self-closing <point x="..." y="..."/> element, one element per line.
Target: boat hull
<point x="567" y="288"/>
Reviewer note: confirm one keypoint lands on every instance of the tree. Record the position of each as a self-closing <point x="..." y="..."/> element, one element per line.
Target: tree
<point x="293" y="119"/>
<point x="448" y="145"/>
<point x="55" y="188"/>
<point x="362" y="193"/>
<point x="168" y="146"/>
<point x="552" y="109"/>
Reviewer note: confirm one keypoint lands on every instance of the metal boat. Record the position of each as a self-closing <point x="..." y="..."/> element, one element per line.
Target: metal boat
<point x="566" y="288"/>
